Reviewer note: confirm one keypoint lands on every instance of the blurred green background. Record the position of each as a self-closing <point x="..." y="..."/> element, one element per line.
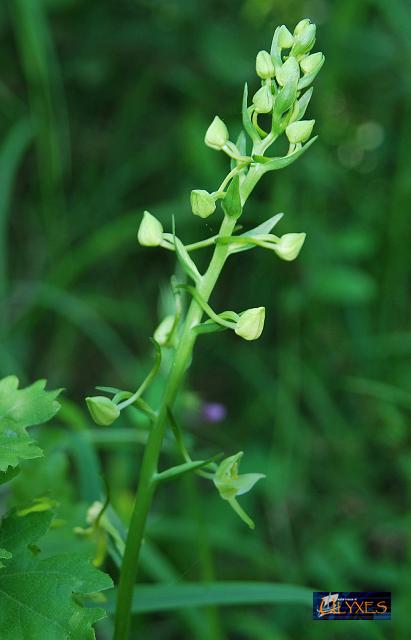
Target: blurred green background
<point x="103" y="110"/>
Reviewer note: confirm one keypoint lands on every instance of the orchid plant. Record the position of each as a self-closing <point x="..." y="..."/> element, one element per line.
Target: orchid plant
<point x="285" y="74"/>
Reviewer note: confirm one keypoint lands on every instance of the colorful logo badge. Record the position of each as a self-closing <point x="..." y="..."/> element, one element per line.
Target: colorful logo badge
<point x="352" y="605"/>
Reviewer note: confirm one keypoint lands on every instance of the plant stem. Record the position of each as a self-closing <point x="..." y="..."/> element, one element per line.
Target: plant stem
<point x="149" y="468"/>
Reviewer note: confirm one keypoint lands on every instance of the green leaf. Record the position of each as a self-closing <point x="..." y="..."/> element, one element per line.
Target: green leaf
<point x="271" y="164"/>
<point x="19" y="409"/>
<point x="37" y="594"/>
<point x="149" y="598"/>
<point x="232" y="201"/>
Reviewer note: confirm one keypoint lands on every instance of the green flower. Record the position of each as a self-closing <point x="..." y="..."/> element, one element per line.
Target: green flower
<point x="304" y="38"/>
<point x="103" y="411"/>
<point x="299" y="131"/>
<point x="264" y="65"/>
<point x="251" y="323"/>
<point x="202" y="203"/>
<point x="150" y="233"/>
<point x="312" y="63"/>
<point x="263" y="100"/>
<point x="289" y="72"/>
<point x="230" y="485"/>
<point x="164" y="333"/>
<point x="217" y="134"/>
<point x="289" y="246"/>
<point x="285" y="38"/>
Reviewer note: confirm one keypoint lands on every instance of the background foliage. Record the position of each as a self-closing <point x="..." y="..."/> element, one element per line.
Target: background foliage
<point x="103" y="111"/>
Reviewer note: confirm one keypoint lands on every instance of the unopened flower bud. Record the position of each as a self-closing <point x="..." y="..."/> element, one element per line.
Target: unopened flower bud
<point x="299" y="131"/>
<point x="289" y="72"/>
<point x="94" y="511"/>
<point x="217" y="134"/>
<point x="103" y="411"/>
<point x="202" y="203"/>
<point x="285" y="39"/>
<point x="313" y="62"/>
<point x="150" y="233"/>
<point x="263" y="100"/>
<point x="163" y="333"/>
<point x="264" y="65"/>
<point x="304" y="37"/>
<point x="251" y="323"/>
<point x="289" y="246"/>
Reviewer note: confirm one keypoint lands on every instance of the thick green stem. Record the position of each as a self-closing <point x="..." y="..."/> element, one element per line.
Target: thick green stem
<point x="146" y="487"/>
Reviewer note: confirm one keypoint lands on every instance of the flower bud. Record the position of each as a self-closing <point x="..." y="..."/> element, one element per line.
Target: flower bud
<point x="285" y="39"/>
<point x="217" y="134"/>
<point x="264" y="65"/>
<point x="103" y="411"/>
<point x="312" y="63"/>
<point x="163" y="333"/>
<point x="251" y="323"/>
<point x="202" y="203"/>
<point x="304" y="37"/>
<point x="150" y="233"/>
<point x="263" y="100"/>
<point x="289" y="246"/>
<point x="299" y="131"/>
<point x="289" y="72"/>
<point x="94" y="511"/>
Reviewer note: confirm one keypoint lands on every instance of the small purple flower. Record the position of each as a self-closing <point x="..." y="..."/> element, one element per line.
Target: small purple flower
<point x="213" y="412"/>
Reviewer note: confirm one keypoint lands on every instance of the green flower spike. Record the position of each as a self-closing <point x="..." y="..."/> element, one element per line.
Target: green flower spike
<point x="150" y="233"/>
<point x="251" y="323"/>
<point x="230" y="485"/>
<point x="103" y="411"/>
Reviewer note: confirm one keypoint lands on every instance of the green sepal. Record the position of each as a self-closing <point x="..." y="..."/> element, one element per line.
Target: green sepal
<point x="181" y="469"/>
<point x="232" y="201"/>
<point x="272" y="164"/>
<point x="184" y="259"/>
<point x="247" y="124"/>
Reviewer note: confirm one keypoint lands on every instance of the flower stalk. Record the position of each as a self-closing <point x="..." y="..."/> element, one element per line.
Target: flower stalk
<point x="284" y="73"/>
